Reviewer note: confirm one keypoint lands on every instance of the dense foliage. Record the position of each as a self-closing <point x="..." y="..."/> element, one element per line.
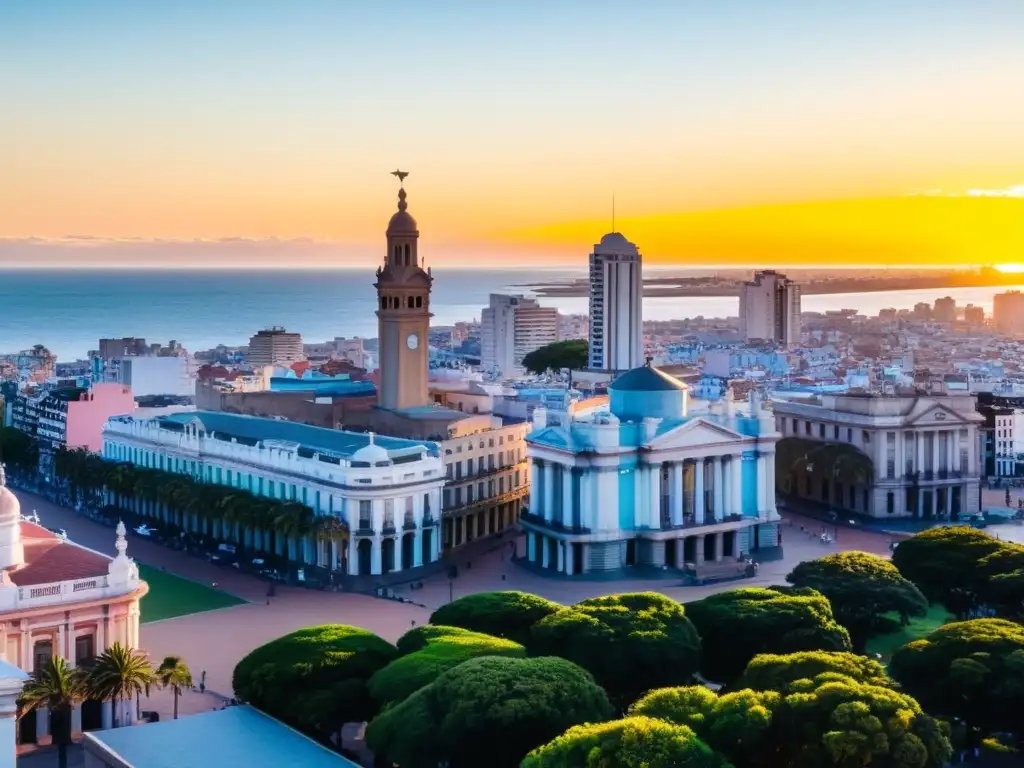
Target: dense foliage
<point x="314" y="679"/>
<point x="774" y="672"/>
<point x="943" y="562"/>
<point x="487" y="712"/>
<point x="502" y="614"/>
<point x="828" y="721"/>
<point x="444" y="648"/>
<point x="572" y="354"/>
<point x="737" y="625"/>
<point x="969" y="669"/>
<point x="18" y="450"/>
<point x="862" y="588"/>
<point x="635" y="742"/>
<point x="631" y="643"/>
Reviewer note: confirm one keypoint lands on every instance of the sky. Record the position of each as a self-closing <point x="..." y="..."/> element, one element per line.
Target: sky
<point x="240" y="132"/>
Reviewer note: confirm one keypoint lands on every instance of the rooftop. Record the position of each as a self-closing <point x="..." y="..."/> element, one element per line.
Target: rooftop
<point x="239" y="735"/>
<point x="646" y="378"/>
<point x="252" y="429"/>
<point x="49" y="558"/>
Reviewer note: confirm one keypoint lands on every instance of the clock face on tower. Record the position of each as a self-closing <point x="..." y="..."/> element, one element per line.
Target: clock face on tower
<point x="413" y="341"/>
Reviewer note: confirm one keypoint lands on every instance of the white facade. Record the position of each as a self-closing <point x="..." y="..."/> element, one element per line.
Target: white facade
<point x="924" y="450"/>
<point x="151" y="375"/>
<point x="616" y="305"/>
<point x="1008" y="441"/>
<point x="385" y="495"/>
<point x="770" y="308"/>
<point x="512" y="327"/>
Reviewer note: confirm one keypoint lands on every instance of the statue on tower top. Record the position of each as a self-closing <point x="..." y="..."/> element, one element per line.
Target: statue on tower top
<point x="401" y="175"/>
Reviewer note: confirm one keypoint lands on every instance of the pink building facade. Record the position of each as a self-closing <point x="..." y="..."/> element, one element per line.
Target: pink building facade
<point x="87" y="415"/>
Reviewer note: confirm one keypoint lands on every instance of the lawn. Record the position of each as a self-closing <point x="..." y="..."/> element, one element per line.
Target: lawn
<point x="171" y="596"/>
<point x="918" y="627"/>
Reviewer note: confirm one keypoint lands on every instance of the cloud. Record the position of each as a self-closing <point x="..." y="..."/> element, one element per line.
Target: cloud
<point x="1015" y="191"/>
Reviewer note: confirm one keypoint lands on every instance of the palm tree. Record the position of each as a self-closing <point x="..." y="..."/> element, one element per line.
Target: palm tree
<point x="173" y="673"/>
<point x="120" y="674"/>
<point x="58" y="687"/>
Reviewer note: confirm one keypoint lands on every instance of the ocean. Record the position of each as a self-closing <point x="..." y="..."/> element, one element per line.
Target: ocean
<point x="69" y="310"/>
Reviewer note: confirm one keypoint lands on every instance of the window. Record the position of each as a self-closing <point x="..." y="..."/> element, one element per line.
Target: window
<point x="85" y="649"/>
<point x="821" y="430"/>
<point x="865" y="436"/>
<point x="835" y="431"/>
<point x="41" y="654"/>
<point x="365" y="514"/>
<point x="389" y="513"/>
<point x="458" y="497"/>
<point x="426" y="505"/>
<point x="849" y="435"/>
<point x="890" y="503"/>
<point x="469" y="494"/>
<point x="807" y="427"/>
<point x="408" y="509"/>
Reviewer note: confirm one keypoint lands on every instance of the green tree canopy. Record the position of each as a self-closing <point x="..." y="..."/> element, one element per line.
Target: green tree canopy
<point x="737" y="625"/>
<point x="862" y="589"/>
<point x="442" y="651"/>
<point x="776" y="672"/>
<point x="828" y="722"/>
<point x="635" y="742"/>
<point x="943" y="563"/>
<point x="488" y="711"/>
<point x="506" y="614"/>
<point x="572" y="354"/>
<point x="18" y="449"/>
<point x="969" y="669"/>
<point x="314" y="679"/>
<point x="631" y="643"/>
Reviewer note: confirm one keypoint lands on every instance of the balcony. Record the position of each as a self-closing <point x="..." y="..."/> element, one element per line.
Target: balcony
<point x="486" y="501"/>
<point x="555" y="525"/>
<point x="479" y="475"/>
<point x="60" y="592"/>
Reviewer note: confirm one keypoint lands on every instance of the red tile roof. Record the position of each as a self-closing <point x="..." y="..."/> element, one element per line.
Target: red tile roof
<point x="48" y="558"/>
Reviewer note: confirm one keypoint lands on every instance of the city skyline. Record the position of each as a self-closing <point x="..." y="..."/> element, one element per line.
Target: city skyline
<point x="740" y="135"/>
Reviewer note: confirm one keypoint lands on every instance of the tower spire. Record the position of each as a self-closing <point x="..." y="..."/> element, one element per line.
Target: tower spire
<point x="613" y="211"/>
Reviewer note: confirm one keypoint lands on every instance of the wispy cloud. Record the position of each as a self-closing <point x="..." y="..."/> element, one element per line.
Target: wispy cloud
<point x="1014" y="191"/>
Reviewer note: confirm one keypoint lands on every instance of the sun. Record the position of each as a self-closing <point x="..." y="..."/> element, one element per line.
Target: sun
<point x="1010" y="267"/>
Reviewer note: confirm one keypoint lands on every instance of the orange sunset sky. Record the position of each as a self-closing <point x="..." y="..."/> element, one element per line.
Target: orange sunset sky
<point x="741" y="132"/>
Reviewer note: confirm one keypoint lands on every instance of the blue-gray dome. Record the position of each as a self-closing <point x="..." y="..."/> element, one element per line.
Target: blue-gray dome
<point x="647" y="392"/>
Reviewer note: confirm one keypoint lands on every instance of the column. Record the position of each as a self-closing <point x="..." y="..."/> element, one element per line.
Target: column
<point x="736" y="478"/>
<point x="935" y="453"/>
<point x="535" y="485"/>
<point x="585" y="557"/>
<point x="569" y="569"/>
<point x="399" y="565"/>
<point x="42" y="723"/>
<point x="549" y="490"/>
<point x="531" y="546"/>
<point x="762" y="491"/>
<point x="952" y="445"/>
<point x="545" y="552"/>
<point x="654" y="496"/>
<point x="435" y="544"/>
<point x="675" y="492"/>
<point x="698" y="551"/>
<point x="719" y="546"/>
<point x="375" y="564"/>
<point x="719" y="488"/>
<point x="76" y="721"/>
<point x="698" y="491"/>
<point x="107" y="715"/>
<point x="680" y="550"/>
<point x="568" y="503"/>
<point x="769" y="482"/>
<point x="919" y="437"/>
<point x="561" y="556"/>
<point x="417" y="548"/>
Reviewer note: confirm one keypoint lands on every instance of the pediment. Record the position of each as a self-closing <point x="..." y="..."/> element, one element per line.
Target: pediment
<point x="553" y="437"/>
<point x="937" y="414"/>
<point x="694" y="434"/>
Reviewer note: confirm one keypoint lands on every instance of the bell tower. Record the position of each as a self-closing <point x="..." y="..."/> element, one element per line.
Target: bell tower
<point x="403" y="313"/>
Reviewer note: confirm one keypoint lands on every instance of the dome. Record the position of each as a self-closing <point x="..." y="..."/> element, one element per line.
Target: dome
<point x="616" y="243"/>
<point x="10" y="507"/>
<point x="647" y="378"/>
<point x="402" y="222"/>
<point x="648" y="392"/>
<point x="371" y="453"/>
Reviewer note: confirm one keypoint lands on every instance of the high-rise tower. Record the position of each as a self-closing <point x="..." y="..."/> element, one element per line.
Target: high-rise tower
<point x="403" y="312"/>
<point x="616" y="305"/>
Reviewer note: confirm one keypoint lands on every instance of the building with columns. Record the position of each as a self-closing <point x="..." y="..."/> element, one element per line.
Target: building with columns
<point x="60" y="599"/>
<point x="616" y="305"/>
<point x="923" y="449"/>
<point x="387" y="490"/>
<point x="636" y="479"/>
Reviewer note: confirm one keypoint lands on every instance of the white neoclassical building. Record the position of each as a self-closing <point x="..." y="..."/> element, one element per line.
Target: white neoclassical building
<point x="387" y="490"/>
<point x="923" y="448"/>
<point x="637" y="479"/>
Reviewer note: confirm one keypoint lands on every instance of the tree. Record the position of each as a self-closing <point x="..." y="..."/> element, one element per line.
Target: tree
<point x="737" y="625"/>
<point x="314" y="679"/>
<point x="58" y="687"/>
<point x="443" y="650"/>
<point x="572" y="354"/>
<point x="18" y="449"/>
<point x="828" y="722"/>
<point x="488" y="711"/>
<point x="862" y="589"/>
<point x="631" y="643"/>
<point x="776" y="672"/>
<point x="635" y="742"/>
<point x="118" y="675"/>
<point x="943" y="563"/>
<point x="173" y="673"/>
<point x="968" y="669"/>
<point x="506" y="614"/>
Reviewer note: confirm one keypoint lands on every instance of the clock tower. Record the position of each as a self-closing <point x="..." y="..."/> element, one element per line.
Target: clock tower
<point x="403" y="313"/>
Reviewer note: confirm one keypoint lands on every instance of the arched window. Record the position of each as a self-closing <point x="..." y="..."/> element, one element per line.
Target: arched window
<point x="410" y="302"/>
<point x="419" y="302"/>
<point x="407" y="253"/>
<point x="383" y="302"/>
<point x="398" y="253"/>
